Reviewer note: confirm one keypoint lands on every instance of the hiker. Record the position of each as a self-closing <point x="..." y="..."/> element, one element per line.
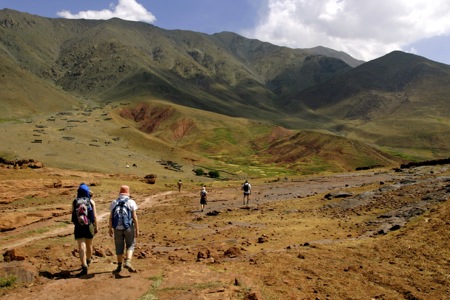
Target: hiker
<point x="179" y="185"/>
<point x="203" y="197"/>
<point x="124" y="226"/>
<point x="84" y="217"/>
<point x="247" y="188"/>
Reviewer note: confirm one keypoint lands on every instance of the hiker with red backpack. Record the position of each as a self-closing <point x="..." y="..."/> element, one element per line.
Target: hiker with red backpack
<point x="84" y="217"/>
<point x="124" y="227"/>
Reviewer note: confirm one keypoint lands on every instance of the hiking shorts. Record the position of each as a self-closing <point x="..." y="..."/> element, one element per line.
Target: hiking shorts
<point x="122" y="238"/>
<point x="84" y="231"/>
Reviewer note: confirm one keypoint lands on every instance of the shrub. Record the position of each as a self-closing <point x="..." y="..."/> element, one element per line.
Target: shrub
<point x="199" y="172"/>
<point x="214" y="174"/>
<point x="7" y="281"/>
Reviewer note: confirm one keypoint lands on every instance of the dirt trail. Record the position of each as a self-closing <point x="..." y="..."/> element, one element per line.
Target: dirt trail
<point x="67" y="230"/>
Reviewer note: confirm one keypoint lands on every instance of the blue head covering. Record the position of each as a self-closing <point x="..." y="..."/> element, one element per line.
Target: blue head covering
<point x="83" y="191"/>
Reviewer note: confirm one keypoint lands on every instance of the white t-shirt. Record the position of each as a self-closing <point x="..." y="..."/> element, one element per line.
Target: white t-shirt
<point x="249" y="188"/>
<point x="130" y="204"/>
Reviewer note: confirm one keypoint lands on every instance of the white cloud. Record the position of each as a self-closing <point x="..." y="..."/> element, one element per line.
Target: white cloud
<point x="126" y="9"/>
<point x="364" y="29"/>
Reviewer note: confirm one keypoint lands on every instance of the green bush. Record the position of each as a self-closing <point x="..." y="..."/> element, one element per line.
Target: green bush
<point x="7" y="281"/>
<point x="214" y="174"/>
<point x="199" y="172"/>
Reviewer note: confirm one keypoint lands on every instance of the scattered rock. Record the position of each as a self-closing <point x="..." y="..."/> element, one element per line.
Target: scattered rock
<point x="13" y="255"/>
<point x="251" y="296"/>
<point x="150" y="178"/>
<point x="237" y="282"/>
<point x="23" y="163"/>
<point x="395" y="227"/>
<point x="232" y="252"/>
<point x="330" y="196"/>
<point x="213" y="213"/>
<point x="58" y="184"/>
<point x="99" y="252"/>
<point x="263" y="239"/>
<point x="203" y="254"/>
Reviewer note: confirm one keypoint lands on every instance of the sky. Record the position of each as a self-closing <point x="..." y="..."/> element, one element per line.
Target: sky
<point x="365" y="29"/>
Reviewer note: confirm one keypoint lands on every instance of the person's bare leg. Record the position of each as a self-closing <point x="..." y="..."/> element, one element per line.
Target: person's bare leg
<point x="88" y="251"/>
<point x="82" y="251"/>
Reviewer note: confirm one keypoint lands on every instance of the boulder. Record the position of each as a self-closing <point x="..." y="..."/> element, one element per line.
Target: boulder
<point x="13" y="255"/>
<point x="150" y="178"/>
<point x="232" y="252"/>
<point x="23" y="271"/>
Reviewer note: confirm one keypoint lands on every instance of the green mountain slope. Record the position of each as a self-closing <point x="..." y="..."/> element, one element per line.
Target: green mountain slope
<point x="397" y="103"/>
<point x="116" y="59"/>
<point x="236" y="144"/>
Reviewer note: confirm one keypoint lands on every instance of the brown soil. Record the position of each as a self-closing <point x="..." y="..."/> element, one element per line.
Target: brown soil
<point x="364" y="235"/>
<point x="148" y="118"/>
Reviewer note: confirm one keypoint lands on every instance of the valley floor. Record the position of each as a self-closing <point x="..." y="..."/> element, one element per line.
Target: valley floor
<point x="378" y="234"/>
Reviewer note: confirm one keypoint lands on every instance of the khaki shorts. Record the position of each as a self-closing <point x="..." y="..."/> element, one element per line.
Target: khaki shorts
<point x="122" y="238"/>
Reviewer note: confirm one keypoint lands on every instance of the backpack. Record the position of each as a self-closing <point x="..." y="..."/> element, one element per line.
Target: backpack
<point x="121" y="214"/>
<point x="246" y="187"/>
<point x="203" y="195"/>
<point x="83" y="212"/>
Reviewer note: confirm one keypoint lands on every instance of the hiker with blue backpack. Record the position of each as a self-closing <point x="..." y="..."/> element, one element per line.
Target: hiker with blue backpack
<point x="84" y="217"/>
<point x="247" y="188"/>
<point x="124" y="227"/>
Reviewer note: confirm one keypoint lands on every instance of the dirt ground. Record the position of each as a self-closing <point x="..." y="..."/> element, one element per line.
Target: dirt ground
<point x="376" y="234"/>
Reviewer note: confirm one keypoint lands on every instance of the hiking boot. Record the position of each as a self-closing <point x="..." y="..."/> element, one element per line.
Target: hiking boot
<point x="84" y="271"/>
<point x="129" y="267"/>
<point x="118" y="269"/>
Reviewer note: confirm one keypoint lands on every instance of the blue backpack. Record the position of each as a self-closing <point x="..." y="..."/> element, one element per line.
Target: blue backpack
<point x="121" y="214"/>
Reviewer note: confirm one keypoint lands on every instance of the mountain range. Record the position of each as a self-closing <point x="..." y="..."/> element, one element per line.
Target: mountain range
<point x="398" y="104"/>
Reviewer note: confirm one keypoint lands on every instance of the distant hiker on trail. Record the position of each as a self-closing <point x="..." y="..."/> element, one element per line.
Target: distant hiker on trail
<point x="124" y="226"/>
<point x="84" y="217"/>
<point x="203" y="197"/>
<point x="247" y="188"/>
<point x="179" y="185"/>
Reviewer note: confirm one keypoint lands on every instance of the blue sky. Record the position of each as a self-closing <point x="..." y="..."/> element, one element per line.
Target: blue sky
<point x="365" y="29"/>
